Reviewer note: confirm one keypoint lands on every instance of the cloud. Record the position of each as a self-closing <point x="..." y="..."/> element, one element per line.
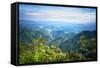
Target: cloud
<point x="62" y="14"/>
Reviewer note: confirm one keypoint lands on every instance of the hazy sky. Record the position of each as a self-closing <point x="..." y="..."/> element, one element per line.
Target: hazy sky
<point x="57" y="14"/>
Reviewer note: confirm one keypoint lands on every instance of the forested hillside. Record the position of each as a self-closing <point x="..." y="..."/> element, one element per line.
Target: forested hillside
<point x="40" y="45"/>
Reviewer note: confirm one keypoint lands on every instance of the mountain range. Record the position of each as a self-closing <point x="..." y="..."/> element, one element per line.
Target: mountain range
<point x="63" y="37"/>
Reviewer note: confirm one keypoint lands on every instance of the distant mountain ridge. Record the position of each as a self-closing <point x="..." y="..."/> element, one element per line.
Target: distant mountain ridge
<point x="73" y="44"/>
<point x="66" y="40"/>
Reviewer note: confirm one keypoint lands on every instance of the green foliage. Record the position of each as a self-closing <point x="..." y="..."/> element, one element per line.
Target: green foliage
<point x="39" y="52"/>
<point x="88" y="47"/>
<point x="76" y="56"/>
<point x="84" y="41"/>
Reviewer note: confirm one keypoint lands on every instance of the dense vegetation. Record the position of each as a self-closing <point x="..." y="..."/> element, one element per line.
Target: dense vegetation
<point x="40" y="52"/>
<point x="41" y="43"/>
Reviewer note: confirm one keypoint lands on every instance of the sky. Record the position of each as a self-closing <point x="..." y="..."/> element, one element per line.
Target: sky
<point x="56" y="14"/>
